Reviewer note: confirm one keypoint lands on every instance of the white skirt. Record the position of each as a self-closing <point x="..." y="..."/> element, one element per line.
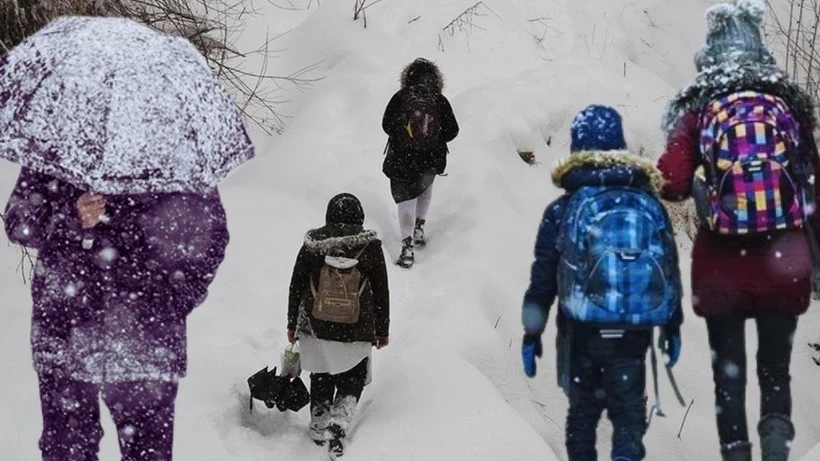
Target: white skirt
<point x="334" y="357"/>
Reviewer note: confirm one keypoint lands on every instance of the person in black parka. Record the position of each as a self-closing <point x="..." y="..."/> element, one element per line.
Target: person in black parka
<point x="338" y="355"/>
<point x="412" y="163"/>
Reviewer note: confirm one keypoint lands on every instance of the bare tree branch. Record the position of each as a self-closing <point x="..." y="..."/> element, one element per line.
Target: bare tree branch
<point x="213" y="26"/>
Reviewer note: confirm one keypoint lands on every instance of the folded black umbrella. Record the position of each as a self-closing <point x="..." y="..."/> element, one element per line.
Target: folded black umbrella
<point x="278" y="391"/>
<point x="295" y="395"/>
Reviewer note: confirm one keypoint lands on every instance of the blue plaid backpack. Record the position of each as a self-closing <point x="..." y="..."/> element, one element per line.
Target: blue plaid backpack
<point x="618" y="264"/>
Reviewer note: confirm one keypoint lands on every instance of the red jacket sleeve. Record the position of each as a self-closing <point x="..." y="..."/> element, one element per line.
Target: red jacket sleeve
<point x="680" y="160"/>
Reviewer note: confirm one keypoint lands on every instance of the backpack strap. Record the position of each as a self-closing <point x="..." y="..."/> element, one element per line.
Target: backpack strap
<point x="364" y="281"/>
<point x="675" y="387"/>
<point x="656" y="408"/>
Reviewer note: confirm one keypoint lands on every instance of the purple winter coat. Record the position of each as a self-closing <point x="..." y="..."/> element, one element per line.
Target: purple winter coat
<point x="115" y="312"/>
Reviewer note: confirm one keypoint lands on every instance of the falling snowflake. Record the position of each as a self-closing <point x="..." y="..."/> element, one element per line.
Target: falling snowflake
<point x="108" y="254"/>
<point x="731" y="369"/>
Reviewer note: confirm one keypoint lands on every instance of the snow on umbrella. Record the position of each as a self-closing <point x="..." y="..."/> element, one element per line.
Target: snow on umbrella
<point x="114" y="107"/>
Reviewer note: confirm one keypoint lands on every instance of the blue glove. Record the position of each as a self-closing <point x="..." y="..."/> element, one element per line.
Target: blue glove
<point x="531" y="348"/>
<point x="670" y="344"/>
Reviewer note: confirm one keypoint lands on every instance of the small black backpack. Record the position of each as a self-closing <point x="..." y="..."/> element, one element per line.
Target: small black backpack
<point x="420" y="124"/>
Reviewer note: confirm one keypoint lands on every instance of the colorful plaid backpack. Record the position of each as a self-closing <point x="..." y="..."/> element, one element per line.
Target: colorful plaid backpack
<point x="755" y="180"/>
<point x="619" y="263"/>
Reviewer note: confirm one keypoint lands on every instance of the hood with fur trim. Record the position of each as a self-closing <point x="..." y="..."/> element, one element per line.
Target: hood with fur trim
<point x="415" y="72"/>
<point x="740" y="75"/>
<point x="606" y="168"/>
<point x="336" y="240"/>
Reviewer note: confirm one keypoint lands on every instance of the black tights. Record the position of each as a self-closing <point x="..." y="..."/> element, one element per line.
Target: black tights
<point x="727" y="339"/>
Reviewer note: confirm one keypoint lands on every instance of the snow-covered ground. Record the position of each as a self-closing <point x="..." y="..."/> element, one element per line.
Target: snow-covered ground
<point x="449" y="386"/>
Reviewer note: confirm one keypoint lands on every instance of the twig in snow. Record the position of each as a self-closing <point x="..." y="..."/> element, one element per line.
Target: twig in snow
<point x="680" y="431"/>
<point x="544" y="408"/>
<point x="465" y="20"/>
<point x="360" y="10"/>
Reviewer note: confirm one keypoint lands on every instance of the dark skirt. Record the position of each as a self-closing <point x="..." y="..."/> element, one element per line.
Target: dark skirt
<point x="408" y="190"/>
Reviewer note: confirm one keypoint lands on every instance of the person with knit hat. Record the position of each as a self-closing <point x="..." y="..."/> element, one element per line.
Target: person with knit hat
<point x="605" y="249"/>
<point x="740" y="141"/>
<point x="419" y="122"/>
<point x="338" y="309"/>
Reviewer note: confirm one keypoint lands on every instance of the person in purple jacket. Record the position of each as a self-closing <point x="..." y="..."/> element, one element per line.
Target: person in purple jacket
<point x="115" y="279"/>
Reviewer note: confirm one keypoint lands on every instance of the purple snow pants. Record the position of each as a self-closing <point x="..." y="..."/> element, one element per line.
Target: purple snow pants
<point x="143" y="412"/>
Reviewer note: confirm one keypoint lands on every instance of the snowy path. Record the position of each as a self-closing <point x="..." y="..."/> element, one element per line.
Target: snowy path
<point x="449" y="387"/>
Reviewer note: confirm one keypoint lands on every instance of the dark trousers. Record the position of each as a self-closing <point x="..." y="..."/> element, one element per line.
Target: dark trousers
<point x="333" y="398"/>
<point x="142" y="411"/>
<point x="775" y="334"/>
<point x="607" y="374"/>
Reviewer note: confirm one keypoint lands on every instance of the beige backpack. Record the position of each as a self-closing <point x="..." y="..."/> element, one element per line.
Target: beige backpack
<point x="336" y="297"/>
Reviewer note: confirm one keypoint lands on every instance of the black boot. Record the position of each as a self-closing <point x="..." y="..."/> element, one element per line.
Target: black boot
<point x="418" y="233"/>
<point x="335" y="445"/>
<point x="737" y="451"/>
<point x="776" y="435"/>
<point x="407" y="257"/>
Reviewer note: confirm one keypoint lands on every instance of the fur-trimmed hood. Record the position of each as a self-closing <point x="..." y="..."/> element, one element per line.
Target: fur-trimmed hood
<point x="415" y="72"/>
<point x="740" y="75"/>
<point x="336" y="240"/>
<point x="606" y="168"/>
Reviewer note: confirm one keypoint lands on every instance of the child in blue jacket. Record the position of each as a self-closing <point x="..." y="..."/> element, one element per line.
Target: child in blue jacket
<point x="602" y="365"/>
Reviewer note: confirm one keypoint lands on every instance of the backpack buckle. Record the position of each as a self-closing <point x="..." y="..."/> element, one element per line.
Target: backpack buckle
<point x="628" y="255"/>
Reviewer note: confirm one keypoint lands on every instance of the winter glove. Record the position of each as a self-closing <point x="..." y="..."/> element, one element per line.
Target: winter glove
<point x="531" y="348"/>
<point x="669" y="343"/>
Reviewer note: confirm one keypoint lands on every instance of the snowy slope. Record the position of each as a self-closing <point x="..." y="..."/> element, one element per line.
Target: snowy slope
<point x="450" y="385"/>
